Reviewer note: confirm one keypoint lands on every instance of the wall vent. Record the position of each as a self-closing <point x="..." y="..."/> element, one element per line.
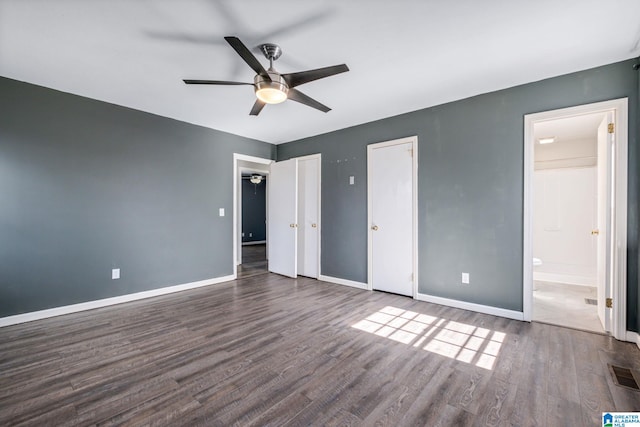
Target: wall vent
<point x="591" y="301"/>
<point x="624" y="377"/>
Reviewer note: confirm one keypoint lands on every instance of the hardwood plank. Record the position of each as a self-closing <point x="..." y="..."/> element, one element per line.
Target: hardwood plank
<point x="269" y="350"/>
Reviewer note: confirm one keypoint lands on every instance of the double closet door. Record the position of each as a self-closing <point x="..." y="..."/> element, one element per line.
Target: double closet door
<point x="294" y="217"/>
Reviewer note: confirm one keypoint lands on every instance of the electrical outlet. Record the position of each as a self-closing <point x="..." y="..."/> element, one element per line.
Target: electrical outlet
<point x="465" y="278"/>
<point x="250" y="234"/>
<point x="352" y="180"/>
<point x="115" y="273"/>
<point x="242" y="234"/>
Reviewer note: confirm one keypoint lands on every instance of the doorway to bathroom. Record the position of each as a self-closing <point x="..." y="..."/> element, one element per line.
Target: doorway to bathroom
<point x="575" y="217"/>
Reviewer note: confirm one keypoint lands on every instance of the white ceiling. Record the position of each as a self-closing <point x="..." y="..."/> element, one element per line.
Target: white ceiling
<point x="404" y="55"/>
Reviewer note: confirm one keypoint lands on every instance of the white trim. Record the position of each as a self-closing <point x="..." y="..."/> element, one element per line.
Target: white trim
<point x="345" y="282"/>
<point x="90" y="305"/>
<point x="619" y="260"/>
<point x="254" y="242"/>
<point x="564" y="278"/>
<point x="414" y="145"/>
<point x="527" y="223"/>
<point x="633" y="337"/>
<point x="236" y="178"/>
<point x="479" y="308"/>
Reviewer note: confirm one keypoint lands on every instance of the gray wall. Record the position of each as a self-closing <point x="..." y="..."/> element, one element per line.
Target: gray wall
<point x="254" y="212"/>
<point x="470" y="186"/>
<point x="87" y="186"/>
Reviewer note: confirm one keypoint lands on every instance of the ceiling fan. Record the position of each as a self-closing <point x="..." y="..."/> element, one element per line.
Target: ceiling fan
<point x="270" y="86"/>
<point x="255" y="178"/>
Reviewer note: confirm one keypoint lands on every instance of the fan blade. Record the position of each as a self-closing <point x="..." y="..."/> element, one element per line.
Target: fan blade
<point x="257" y="107"/>
<point x="296" y="95"/>
<point x="214" y="82"/>
<point x="302" y="77"/>
<point x="248" y="57"/>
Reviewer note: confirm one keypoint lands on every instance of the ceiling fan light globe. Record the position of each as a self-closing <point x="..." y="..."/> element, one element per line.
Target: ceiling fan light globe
<point x="271" y="92"/>
<point x="270" y="95"/>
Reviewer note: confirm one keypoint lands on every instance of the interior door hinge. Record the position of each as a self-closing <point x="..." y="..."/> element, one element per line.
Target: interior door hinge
<point x="609" y="303"/>
<point x="411" y="152"/>
<point x="611" y="128"/>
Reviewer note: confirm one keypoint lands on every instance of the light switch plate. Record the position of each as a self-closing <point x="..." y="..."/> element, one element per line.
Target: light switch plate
<point x="352" y="180"/>
<point x="465" y="278"/>
<point x="221" y="211"/>
<point x="115" y="273"/>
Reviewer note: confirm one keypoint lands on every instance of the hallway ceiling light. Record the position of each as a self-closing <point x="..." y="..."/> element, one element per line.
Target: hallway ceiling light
<point x="255" y="179"/>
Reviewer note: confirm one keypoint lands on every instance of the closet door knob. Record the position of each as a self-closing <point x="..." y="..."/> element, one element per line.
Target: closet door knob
<point x="374" y="228"/>
<point x="314" y="225"/>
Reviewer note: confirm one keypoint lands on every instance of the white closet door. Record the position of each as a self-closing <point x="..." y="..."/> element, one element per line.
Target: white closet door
<point x="283" y="213"/>
<point x="391" y="231"/>
<point x="308" y="216"/>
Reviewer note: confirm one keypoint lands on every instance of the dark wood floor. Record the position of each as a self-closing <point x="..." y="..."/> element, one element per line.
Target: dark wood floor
<point x="254" y="261"/>
<point x="268" y="350"/>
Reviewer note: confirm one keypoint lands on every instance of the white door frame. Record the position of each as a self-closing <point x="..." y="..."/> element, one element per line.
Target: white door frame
<point x="619" y="234"/>
<point x="414" y="145"/>
<point x="319" y="157"/>
<point x="236" y="180"/>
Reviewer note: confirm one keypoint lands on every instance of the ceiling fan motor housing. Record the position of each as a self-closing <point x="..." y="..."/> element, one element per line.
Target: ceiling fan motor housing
<point x="276" y="86"/>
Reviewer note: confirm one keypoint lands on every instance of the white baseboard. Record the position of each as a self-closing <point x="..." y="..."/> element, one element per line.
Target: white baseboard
<point x="564" y="278"/>
<point x="255" y="242"/>
<point x="89" y="305"/>
<point x="633" y="337"/>
<point x="345" y="282"/>
<point x="486" y="309"/>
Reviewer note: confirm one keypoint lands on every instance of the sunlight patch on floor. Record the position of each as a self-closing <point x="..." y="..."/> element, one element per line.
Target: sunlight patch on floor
<point x="456" y="340"/>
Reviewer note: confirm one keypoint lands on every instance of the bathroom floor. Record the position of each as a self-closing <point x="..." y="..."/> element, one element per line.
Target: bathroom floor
<point x="564" y="305"/>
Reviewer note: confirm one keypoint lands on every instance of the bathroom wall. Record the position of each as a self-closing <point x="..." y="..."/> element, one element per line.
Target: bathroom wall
<point x="565" y="212"/>
<point x="563" y="154"/>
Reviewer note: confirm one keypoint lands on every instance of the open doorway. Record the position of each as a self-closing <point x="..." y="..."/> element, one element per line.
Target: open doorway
<point x="253" y="222"/>
<point x="574" y="266"/>
<point x="250" y="208"/>
<point x="570" y="183"/>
